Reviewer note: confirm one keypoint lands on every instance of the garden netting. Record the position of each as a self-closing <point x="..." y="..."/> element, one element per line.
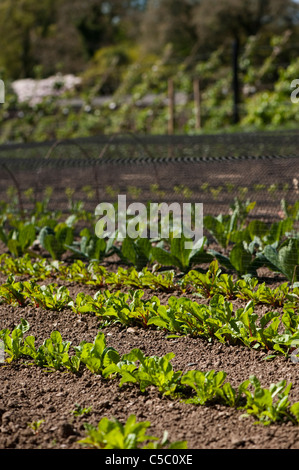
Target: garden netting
<point x="211" y="169"/>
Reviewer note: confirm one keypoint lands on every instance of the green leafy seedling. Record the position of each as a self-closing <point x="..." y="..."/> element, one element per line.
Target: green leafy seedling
<point x="35" y="425"/>
<point x="80" y="411"/>
<point x="112" y="434"/>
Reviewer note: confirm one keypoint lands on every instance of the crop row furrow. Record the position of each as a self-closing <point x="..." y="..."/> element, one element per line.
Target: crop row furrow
<point x="244" y="245"/>
<point x="193" y="387"/>
<point x="204" y="284"/>
<point x="273" y="331"/>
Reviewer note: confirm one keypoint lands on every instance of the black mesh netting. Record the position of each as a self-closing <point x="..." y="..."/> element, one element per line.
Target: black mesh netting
<point x="212" y="169"/>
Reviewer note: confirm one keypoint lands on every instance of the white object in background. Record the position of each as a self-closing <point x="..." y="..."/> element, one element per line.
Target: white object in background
<point x="2" y="92"/>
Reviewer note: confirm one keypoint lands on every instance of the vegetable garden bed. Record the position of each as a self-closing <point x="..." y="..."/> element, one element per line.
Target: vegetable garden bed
<point x="186" y="342"/>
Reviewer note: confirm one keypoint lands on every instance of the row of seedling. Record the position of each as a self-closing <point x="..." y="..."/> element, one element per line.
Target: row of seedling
<point x="112" y="434"/>
<point x="204" y="284"/>
<point x="193" y="387"/>
<point x="245" y="245"/>
<point x="276" y="331"/>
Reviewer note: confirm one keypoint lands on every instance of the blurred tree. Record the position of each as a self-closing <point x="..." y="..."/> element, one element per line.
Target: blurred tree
<point x="61" y="34"/>
<point x="85" y="28"/>
<point x="100" y="24"/>
<point x="64" y="35"/>
<point x="235" y="19"/>
<point x="22" y="24"/>
<point x="169" y="22"/>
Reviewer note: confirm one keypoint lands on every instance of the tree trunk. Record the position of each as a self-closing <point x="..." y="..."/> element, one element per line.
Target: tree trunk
<point x="236" y="86"/>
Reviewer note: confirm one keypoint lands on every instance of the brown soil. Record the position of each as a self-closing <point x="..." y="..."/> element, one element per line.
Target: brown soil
<point x="29" y="393"/>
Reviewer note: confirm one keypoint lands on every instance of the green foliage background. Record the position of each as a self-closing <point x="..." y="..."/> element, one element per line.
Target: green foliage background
<point x="126" y="51"/>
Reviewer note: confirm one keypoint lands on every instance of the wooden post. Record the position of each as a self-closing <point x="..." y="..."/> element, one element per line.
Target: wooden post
<point x="197" y="102"/>
<point x="236" y="86"/>
<point x="170" y="106"/>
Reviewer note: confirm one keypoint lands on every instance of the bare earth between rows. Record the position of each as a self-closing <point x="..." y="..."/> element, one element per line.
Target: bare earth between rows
<point x="30" y="393"/>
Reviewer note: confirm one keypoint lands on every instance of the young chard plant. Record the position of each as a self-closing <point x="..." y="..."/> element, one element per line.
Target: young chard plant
<point x="205" y="284"/>
<point x="144" y="278"/>
<point x="205" y="385"/>
<point x="13" y="341"/>
<point x="268" y="405"/>
<point x="19" y="239"/>
<point x="81" y="411"/>
<point x="37" y="269"/>
<point x="211" y="386"/>
<point x="136" y="252"/>
<point x="180" y="256"/>
<point x="242" y="259"/>
<point x="91" y="247"/>
<point x="224" y="227"/>
<point x="153" y="370"/>
<point x="284" y="259"/>
<point x="53" y="353"/>
<point x="14" y="293"/>
<point x="50" y="297"/>
<point x="97" y="356"/>
<point x="55" y="241"/>
<point x="112" y="434"/>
